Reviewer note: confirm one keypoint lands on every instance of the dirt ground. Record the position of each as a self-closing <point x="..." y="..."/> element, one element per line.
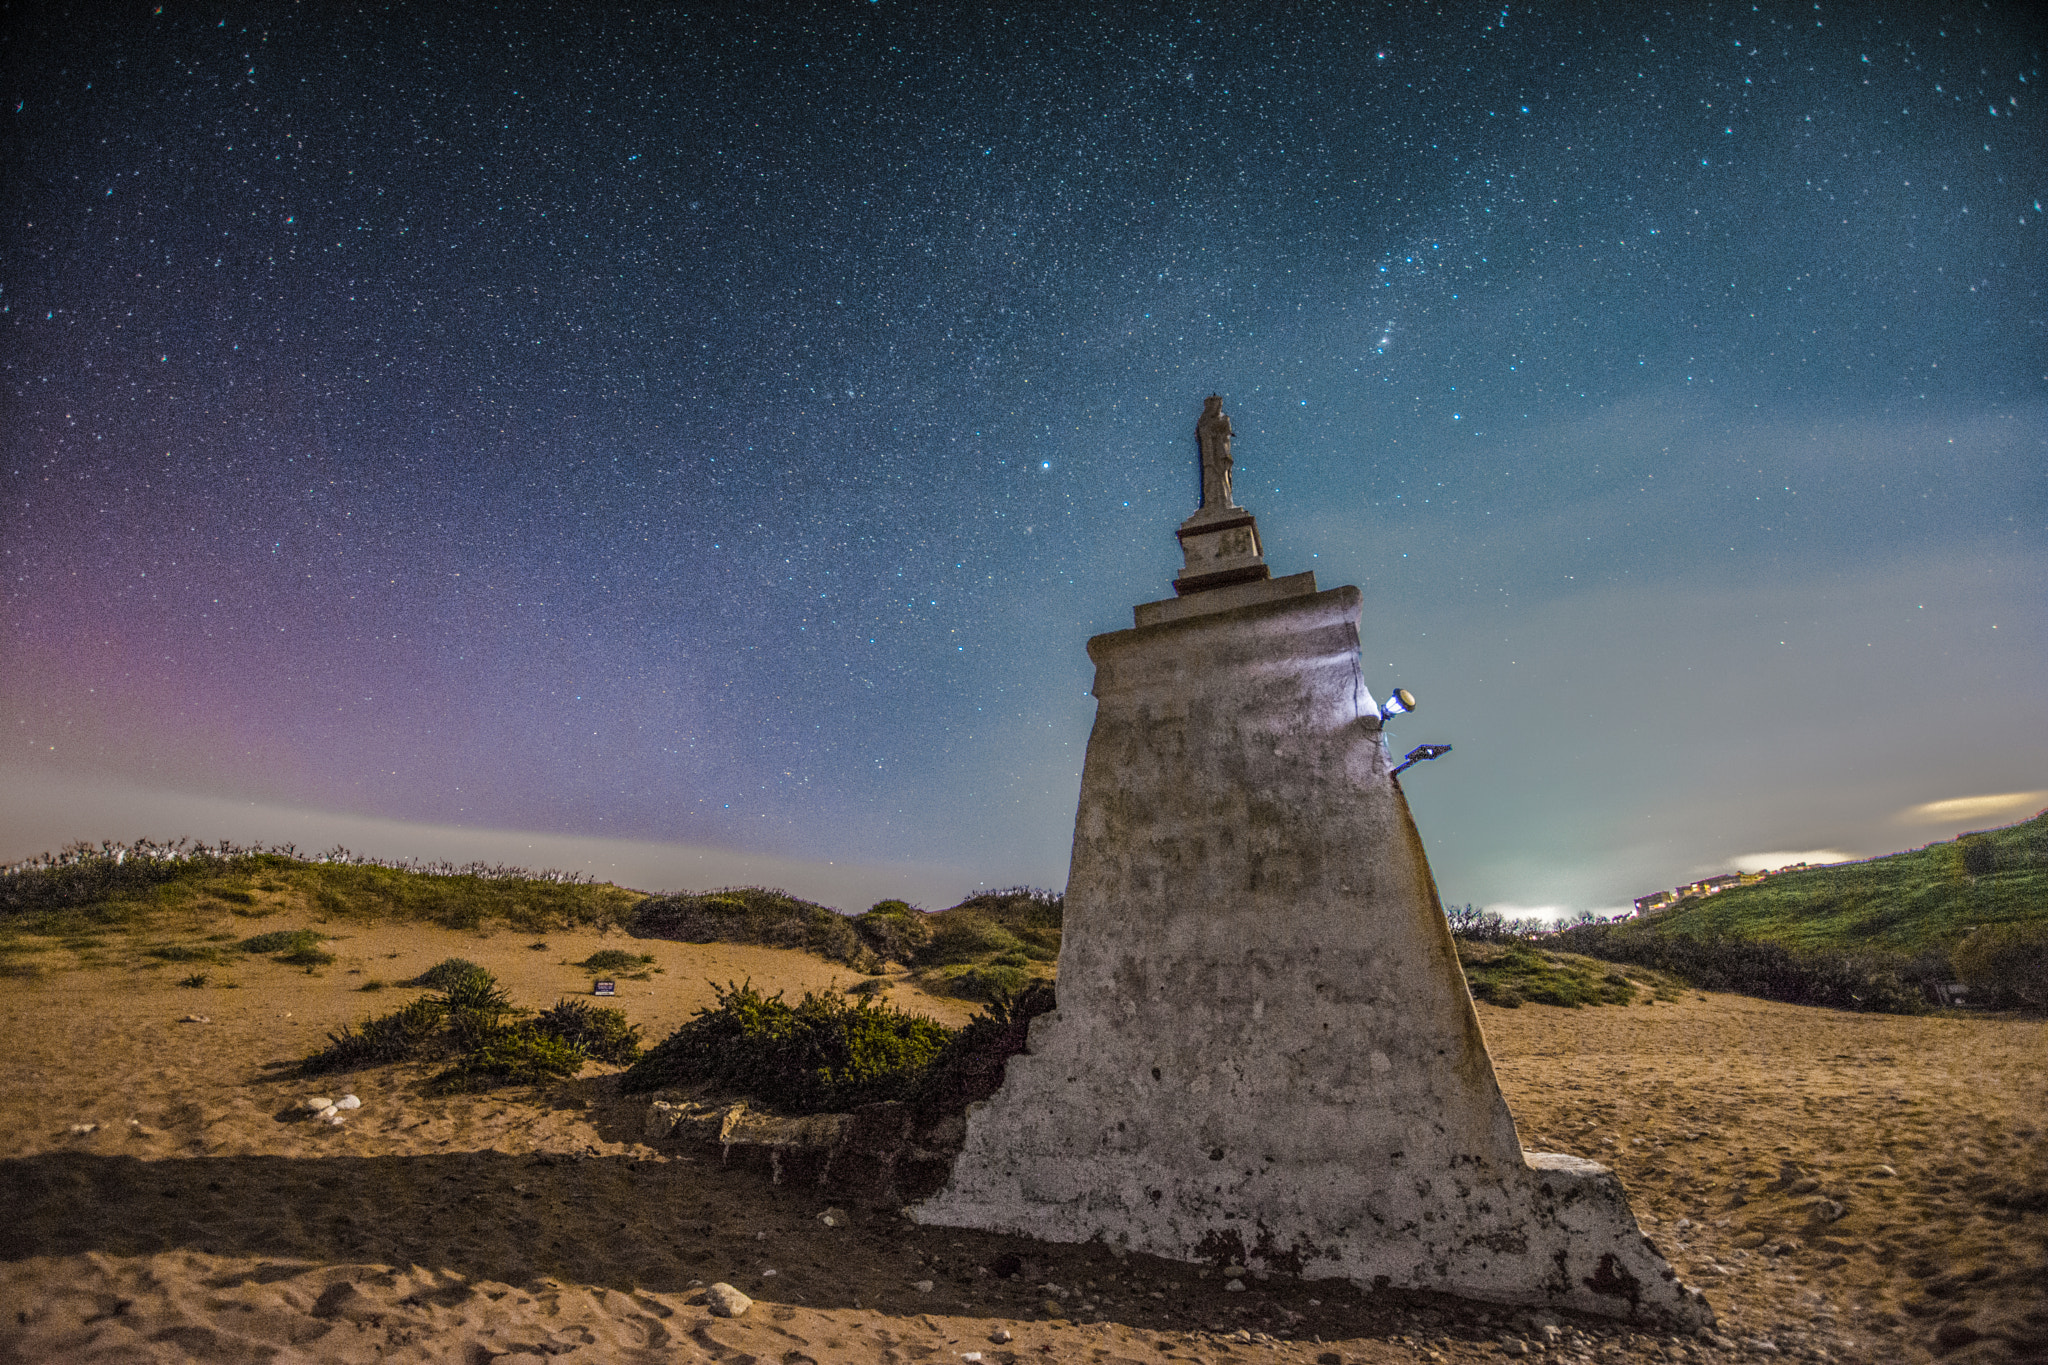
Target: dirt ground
<point x="1844" y="1187"/>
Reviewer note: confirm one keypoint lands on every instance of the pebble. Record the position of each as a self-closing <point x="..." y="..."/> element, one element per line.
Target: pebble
<point x="1051" y="1307"/>
<point x="923" y="1286"/>
<point x="1000" y="1335"/>
<point x="81" y="1129"/>
<point x="1885" y="1173"/>
<point x="316" y="1105"/>
<point x="1514" y="1346"/>
<point x="348" y="1102"/>
<point x="832" y="1218"/>
<point x="725" y="1301"/>
<point x="1234" y="1287"/>
<point x="195" y="1019"/>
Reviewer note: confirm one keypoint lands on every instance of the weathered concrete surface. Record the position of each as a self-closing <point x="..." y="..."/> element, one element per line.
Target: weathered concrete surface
<point x="1265" y="1050"/>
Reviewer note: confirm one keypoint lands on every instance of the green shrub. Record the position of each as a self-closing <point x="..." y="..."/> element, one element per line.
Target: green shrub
<point x="971" y="1066"/>
<point x="445" y="973"/>
<point x="826" y="1052"/>
<point x="614" y="960"/>
<point x="1885" y="983"/>
<point x="750" y="914"/>
<point x="396" y="1037"/>
<point x="602" y="1033"/>
<point x="195" y="981"/>
<point x="958" y="937"/>
<point x="477" y="1006"/>
<point x="281" y="941"/>
<point x="308" y="958"/>
<point x="990" y="982"/>
<point x="522" y="1055"/>
<point x="2005" y="965"/>
<point x="894" y="930"/>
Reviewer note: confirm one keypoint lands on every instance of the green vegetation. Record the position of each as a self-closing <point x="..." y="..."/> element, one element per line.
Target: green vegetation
<point x="603" y="1034"/>
<point x="827" y="1052"/>
<point x="127" y="885"/>
<point x="615" y="960"/>
<point x="1513" y="973"/>
<point x="281" y="941"/>
<point x="990" y="947"/>
<point x="445" y="973"/>
<point x="830" y="1052"/>
<point x="773" y="919"/>
<point x="1862" y="936"/>
<point x="472" y="1023"/>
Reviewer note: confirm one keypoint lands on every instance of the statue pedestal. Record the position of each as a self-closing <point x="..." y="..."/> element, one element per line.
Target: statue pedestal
<point x="1219" y="547"/>
<point x="1264" y="1050"/>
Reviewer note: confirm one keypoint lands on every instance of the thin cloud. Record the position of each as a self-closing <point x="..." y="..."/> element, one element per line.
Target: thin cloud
<point x="1963" y="808"/>
<point x="1771" y="862"/>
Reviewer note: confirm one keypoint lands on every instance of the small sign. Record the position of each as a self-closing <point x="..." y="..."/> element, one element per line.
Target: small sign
<point x="605" y="988"/>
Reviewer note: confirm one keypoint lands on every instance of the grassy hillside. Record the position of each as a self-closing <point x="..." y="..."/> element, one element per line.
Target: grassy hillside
<point x="1862" y="935"/>
<point x="169" y="904"/>
<point x="1927" y="899"/>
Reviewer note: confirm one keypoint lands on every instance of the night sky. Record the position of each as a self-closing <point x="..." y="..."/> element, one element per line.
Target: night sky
<point x="695" y="444"/>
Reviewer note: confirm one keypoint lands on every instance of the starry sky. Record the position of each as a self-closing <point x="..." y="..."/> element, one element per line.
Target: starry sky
<point x="694" y="443"/>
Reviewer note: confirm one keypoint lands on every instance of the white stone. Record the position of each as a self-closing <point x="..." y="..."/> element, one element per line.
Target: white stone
<point x="923" y="1286"/>
<point x="316" y="1105"/>
<point x="725" y="1301"/>
<point x="348" y="1102"/>
<point x="1264" y="1047"/>
<point x="1000" y="1335"/>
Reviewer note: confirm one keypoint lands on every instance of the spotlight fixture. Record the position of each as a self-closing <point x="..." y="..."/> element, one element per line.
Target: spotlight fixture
<point x="1421" y="753"/>
<point x="1401" y="702"/>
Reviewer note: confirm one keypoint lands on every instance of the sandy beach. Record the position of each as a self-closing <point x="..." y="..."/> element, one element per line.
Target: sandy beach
<point x="1844" y="1187"/>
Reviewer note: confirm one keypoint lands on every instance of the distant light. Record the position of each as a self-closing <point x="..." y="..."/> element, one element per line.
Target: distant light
<point x="1045" y="464"/>
<point x="1402" y="702"/>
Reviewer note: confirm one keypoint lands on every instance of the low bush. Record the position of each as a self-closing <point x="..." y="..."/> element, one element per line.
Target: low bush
<point x="1873" y="982"/>
<point x="1509" y="974"/>
<point x="83" y="875"/>
<point x="773" y="919"/>
<point x="894" y="930"/>
<point x="998" y="980"/>
<point x="446" y="973"/>
<point x="971" y="1067"/>
<point x="615" y="960"/>
<point x="2005" y="966"/>
<point x="518" y="1055"/>
<point x="603" y="1034"/>
<point x="399" y="1036"/>
<point x="308" y="958"/>
<point x="469" y="1018"/>
<point x="281" y="941"/>
<point x="832" y="1053"/>
<point x="826" y="1052"/>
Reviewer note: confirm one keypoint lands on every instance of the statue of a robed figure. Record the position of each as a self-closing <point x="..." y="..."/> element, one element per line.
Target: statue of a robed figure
<point x="1212" y="433"/>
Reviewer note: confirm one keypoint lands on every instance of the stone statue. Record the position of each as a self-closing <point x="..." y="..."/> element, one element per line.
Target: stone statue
<point x="1213" y="434"/>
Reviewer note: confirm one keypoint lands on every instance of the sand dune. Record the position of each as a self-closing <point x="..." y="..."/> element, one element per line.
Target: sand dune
<point x="1869" y="1188"/>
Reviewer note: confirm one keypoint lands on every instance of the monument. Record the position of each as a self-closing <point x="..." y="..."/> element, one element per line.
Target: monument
<point x="1265" y="1052"/>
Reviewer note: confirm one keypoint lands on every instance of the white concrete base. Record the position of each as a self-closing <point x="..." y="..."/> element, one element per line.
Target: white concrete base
<point x="1265" y="1051"/>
